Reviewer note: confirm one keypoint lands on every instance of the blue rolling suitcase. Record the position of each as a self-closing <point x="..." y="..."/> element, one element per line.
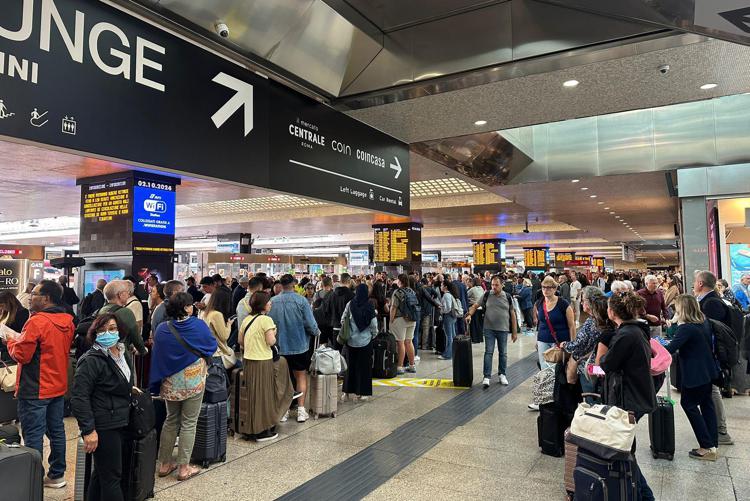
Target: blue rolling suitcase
<point x="597" y="479"/>
<point x="211" y="435"/>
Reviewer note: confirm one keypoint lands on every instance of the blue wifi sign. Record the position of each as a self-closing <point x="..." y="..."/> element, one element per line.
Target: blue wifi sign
<point x="153" y="209"/>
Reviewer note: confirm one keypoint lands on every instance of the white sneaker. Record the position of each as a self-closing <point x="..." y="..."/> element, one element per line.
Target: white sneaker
<point x="285" y="417"/>
<point x="503" y="380"/>
<point x="533" y="407"/>
<point x="302" y="415"/>
<point x="344" y="397"/>
<point x="416" y="358"/>
<point x="486" y="382"/>
<point x="57" y="483"/>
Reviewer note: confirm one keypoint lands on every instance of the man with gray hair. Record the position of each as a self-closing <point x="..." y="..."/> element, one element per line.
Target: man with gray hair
<point x="117" y="293"/>
<point x="713" y="307"/>
<point x="742" y="292"/>
<point x="618" y="287"/>
<point x="160" y="312"/>
<point x="656" y="308"/>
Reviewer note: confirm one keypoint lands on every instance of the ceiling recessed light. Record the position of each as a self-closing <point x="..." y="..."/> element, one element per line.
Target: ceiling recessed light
<point x="606" y="208"/>
<point x="480" y="122"/>
<point x="709" y="86"/>
<point x="584" y="189"/>
<point x="600" y="203"/>
<point x="575" y="180"/>
<point x="571" y="83"/>
<point x="612" y="212"/>
<point x="592" y="196"/>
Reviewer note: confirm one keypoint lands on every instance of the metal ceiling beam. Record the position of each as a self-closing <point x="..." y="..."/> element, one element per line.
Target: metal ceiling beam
<point x="723" y="19"/>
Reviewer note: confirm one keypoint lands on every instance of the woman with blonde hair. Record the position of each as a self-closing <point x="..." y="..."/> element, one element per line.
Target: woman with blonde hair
<point x="697" y="370"/>
<point x="555" y="319"/>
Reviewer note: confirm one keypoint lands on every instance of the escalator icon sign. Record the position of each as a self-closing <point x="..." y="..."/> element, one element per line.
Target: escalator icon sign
<point x="156" y="206"/>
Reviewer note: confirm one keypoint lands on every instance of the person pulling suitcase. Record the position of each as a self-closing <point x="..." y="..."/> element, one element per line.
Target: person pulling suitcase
<point x="499" y="321"/>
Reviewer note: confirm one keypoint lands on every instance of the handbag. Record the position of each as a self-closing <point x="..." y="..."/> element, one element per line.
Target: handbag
<point x="543" y="386"/>
<point x="8" y="378"/>
<point x="571" y="371"/>
<point x="216" y="376"/>
<point x="142" y="415"/>
<point x="555" y="354"/>
<point x="605" y="430"/>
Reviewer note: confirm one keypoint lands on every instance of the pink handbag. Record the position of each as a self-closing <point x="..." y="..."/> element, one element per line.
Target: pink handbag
<point x="661" y="359"/>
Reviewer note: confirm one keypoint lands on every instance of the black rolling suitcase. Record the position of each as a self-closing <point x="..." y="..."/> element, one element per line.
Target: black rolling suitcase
<point x="8" y="407"/>
<point x="384" y="354"/>
<point x="463" y="366"/>
<point x="21" y="474"/>
<point x="236" y="389"/>
<point x="661" y="428"/>
<point x="139" y="467"/>
<point x="551" y="427"/>
<point x="211" y="435"/>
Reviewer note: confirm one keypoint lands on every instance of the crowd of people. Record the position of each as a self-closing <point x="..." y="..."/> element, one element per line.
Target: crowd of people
<point x="269" y="326"/>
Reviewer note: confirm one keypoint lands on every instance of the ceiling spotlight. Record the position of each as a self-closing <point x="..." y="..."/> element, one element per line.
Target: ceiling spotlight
<point x="584" y="189"/>
<point x="575" y="180"/>
<point x="571" y="83"/>
<point x="480" y="122"/>
<point x="709" y="86"/>
<point x="592" y="196"/>
<point x="606" y="208"/>
<point x="600" y="203"/>
<point x="611" y="212"/>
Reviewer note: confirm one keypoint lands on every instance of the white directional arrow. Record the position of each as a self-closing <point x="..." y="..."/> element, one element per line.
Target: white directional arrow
<point x="396" y="167"/>
<point x="243" y="97"/>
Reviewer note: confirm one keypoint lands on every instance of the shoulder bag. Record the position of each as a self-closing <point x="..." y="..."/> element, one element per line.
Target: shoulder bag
<point x="8" y="377"/>
<point x="216" y="377"/>
<point x="554" y="354"/>
<point x="274" y="348"/>
<point x="346" y="327"/>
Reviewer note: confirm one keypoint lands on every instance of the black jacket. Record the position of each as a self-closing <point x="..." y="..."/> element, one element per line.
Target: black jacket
<point x="92" y="303"/>
<point x="628" y="382"/>
<point x="238" y="294"/>
<point x="339" y="299"/>
<point x="69" y="296"/>
<point x="428" y="299"/>
<point x="101" y="396"/>
<point x="716" y="309"/>
<point x="697" y="365"/>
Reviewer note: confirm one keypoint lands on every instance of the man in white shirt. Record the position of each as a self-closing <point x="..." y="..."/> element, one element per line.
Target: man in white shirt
<point x="575" y="294"/>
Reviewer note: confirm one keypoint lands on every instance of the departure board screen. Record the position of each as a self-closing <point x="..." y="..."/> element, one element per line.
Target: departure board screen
<point x="399" y="243"/>
<point x="561" y="257"/>
<point x="598" y="262"/>
<point x="584" y="258"/>
<point x="106" y="215"/>
<point x="488" y="253"/>
<point x="536" y="259"/>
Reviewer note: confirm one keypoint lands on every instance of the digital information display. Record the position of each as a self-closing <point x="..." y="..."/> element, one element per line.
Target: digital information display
<point x="359" y="257"/>
<point x="586" y="258"/>
<point x="598" y="262"/>
<point x="432" y="256"/>
<point x="105" y="201"/>
<point x="106" y="222"/>
<point x="561" y="257"/>
<point x="536" y="258"/>
<point x="488" y="253"/>
<point x="154" y="207"/>
<point x="398" y="243"/>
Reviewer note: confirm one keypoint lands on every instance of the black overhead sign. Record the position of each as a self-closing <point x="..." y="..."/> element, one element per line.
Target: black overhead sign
<point x="85" y="76"/>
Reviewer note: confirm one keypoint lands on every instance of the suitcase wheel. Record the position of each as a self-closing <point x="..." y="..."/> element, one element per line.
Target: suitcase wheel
<point x="315" y="415"/>
<point x="230" y="432"/>
<point x="223" y="459"/>
<point x="333" y="414"/>
<point x="654" y="454"/>
<point x="205" y="463"/>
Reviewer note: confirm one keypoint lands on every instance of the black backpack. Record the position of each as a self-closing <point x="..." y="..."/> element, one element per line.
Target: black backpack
<point x="726" y="346"/>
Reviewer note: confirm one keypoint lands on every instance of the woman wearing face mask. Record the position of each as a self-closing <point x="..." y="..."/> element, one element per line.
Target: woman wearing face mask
<point x="101" y="404"/>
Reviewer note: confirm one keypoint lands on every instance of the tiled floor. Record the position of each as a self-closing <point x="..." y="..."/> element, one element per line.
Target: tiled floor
<point x="493" y="456"/>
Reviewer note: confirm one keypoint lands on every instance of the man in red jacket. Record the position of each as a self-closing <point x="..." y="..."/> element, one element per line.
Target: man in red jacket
<point x="42" y="351"/>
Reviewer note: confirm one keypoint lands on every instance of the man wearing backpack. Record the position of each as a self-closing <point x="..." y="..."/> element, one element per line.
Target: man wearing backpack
<point x="95" y="300"/>
<point x="713" y="307"/>
<point x="404" y="314"/>
<point x="499" y="321"/>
